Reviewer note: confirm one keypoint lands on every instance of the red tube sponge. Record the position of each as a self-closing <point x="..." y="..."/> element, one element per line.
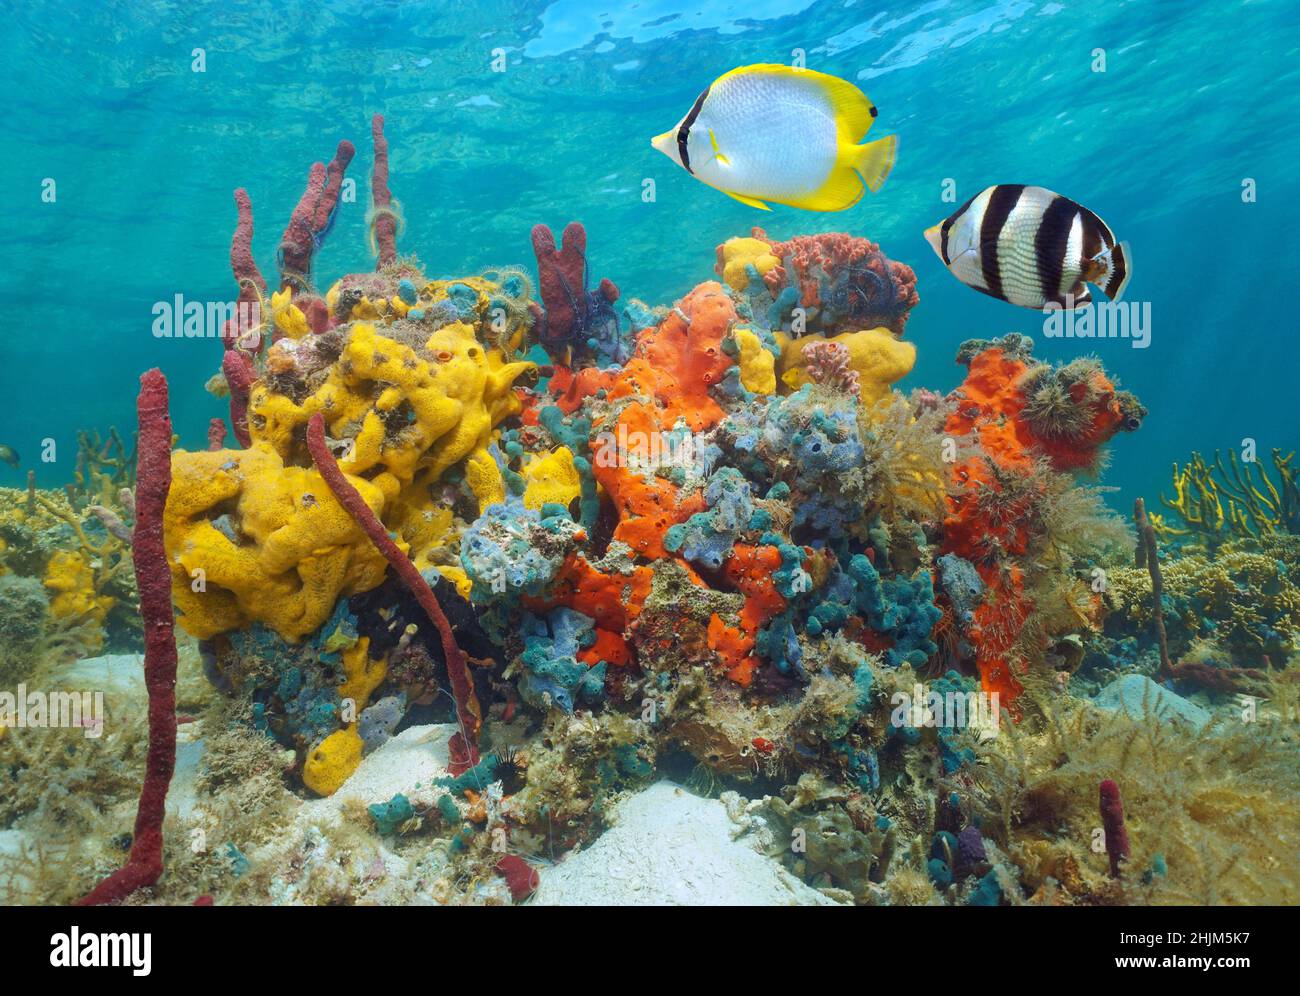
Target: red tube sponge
<point x="252" y="286"/>
<point x="1112" y="821"/>
<point x="238" y="369"/>
<point x="144" y="865"/>
<point x="381" y="197"/>
<point x="216" y="434"/>
<point x="562" y="285"/>
<point x="468" y="713"/>
<point x="312" y="217"/>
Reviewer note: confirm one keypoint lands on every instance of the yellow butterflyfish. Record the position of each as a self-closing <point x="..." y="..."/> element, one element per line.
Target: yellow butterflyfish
<point x="782" y="134"/>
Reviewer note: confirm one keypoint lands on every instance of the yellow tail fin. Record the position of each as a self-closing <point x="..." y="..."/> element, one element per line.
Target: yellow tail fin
<point x="874" y="160"/>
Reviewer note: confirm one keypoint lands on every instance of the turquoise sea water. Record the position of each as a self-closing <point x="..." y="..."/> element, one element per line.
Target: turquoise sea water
<point x="144" y="152"/>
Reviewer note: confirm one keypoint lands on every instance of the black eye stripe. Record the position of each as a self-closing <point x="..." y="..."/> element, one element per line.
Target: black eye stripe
<point x="685" y="130"/>
<point x="947" y="227"/>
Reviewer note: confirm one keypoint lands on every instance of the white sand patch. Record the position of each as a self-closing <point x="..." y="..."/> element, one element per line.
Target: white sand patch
<point x="120" y="677"/>
<point x="312" y="868"/>
<point x="671" y="848"/>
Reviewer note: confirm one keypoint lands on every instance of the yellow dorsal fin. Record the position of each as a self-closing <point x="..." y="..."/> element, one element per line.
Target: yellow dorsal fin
<point x="717" y="153"/>
<point x="753" y="202"/>
<point x="854" y="111"/>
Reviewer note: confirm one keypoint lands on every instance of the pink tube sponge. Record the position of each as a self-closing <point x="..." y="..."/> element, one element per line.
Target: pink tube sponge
<point x="1112" y="821"/>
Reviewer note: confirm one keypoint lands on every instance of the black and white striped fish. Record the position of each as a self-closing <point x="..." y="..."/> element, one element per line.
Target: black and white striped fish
<point x="1031" y="247"/>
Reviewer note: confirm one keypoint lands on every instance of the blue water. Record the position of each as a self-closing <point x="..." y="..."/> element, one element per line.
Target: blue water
<point x="1196" y="97"/>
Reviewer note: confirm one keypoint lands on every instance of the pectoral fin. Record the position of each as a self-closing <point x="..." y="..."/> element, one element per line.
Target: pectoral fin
<point x="753" y="202"/>
<point x="717" y="153"/>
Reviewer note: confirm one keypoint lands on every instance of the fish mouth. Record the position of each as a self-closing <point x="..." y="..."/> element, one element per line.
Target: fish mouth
<point x="934" y="236"/>
<point x="665" y="143"/>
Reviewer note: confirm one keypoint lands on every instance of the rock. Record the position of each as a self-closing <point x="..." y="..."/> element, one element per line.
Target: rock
<point x="1130" y="692"/>
<point x="119" y="676"/>
<point x="670" y="848"/>
<point x="182" y="794"/>
<point x="17" y="850"/>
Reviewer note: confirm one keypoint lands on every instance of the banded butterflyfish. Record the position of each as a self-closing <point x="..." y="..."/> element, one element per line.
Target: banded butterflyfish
<point x="1031" y="247"/>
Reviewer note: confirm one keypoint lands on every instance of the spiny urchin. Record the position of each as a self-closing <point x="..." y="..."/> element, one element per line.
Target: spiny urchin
<point x="511" y="770"/>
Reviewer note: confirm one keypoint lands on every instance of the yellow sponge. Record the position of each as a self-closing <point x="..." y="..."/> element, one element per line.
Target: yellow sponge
<point x="256" y="534"/>
<point x="735" y="255"/>
<point x="551" y="478"/>
<point x="757" y="365"/>
<point x="333" y="761"/>
<point x="879" y="358"/>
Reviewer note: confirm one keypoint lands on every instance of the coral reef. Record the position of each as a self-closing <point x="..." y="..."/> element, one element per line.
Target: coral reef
<point x="1245" y="600"/>
<point x="468" y="713"/>
<point x="482" y="568"/>
<point x="838" y="281"/>
<point x="1193" y="802"/>
<point x="23" y="607"/>
<point x="1017" y="505"/>
<point x="1223" y="606"/>
<point x="410" y="389"/>
<point x="76" y="545"/>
